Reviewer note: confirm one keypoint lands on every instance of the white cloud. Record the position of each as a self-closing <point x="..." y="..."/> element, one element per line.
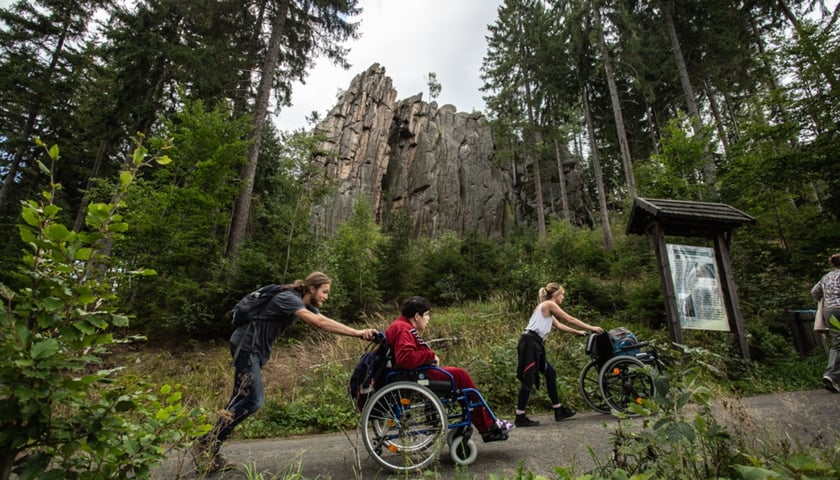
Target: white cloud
<point x="410" y="38"/>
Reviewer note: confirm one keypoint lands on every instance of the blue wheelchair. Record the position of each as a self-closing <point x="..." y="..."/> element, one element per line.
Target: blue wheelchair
<point x="406" y="423"/>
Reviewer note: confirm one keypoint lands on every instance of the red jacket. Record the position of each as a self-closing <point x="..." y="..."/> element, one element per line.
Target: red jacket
<point x="409" y="348"/>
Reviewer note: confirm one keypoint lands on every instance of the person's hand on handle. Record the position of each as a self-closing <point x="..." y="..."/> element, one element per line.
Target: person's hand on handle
<point x="367" y="334"/>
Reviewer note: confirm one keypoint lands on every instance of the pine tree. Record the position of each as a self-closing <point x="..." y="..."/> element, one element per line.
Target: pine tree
<point x="509" y="72"/>
<point x="42" y="44"/>
<point x="300" y="31"/>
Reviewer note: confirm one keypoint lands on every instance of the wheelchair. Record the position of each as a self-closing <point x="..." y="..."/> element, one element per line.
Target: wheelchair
<point x="406" y="423"/>
<point x="617" y="377"/>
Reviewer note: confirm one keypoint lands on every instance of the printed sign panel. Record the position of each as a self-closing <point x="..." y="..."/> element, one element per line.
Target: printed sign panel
<point x="697" y="286"/>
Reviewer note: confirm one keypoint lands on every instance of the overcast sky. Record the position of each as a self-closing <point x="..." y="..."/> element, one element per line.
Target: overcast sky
<point x="410" y="38"/>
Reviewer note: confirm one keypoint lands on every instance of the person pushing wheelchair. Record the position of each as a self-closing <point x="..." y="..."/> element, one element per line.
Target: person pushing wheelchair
<point x="530" y="350"/>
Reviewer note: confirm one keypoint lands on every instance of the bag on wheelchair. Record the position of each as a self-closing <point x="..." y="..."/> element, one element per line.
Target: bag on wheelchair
<point x="369" y="374"/>
<point x="622" y="340"/>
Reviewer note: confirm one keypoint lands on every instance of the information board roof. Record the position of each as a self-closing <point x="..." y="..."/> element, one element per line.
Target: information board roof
<point x="684" y="218"/>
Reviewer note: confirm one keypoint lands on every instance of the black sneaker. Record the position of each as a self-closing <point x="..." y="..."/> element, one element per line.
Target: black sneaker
<point x="562" y="412"/>
<point x="829" y="384"/>
<point x="495" y="434"/>
<point x="523" y="421"/>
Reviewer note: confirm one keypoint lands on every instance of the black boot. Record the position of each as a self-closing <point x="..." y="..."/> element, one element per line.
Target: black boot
<point x="523" y="421"/>
<point x="562" y="412"/>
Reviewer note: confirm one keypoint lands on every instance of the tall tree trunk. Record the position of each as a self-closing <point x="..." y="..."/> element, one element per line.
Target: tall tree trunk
<point x="32" y="117"/>
<point x="599" y="177"/>
<point x="730" y="114"/>
<point x="721" y="127"/>
<point x="242" y="209"/>
<point x="688" y="89"/>
<point x="81" y="212"/>
<point x="563" y="194"/>
<point x="682" y="70"/>
<point x="652" y="129"/>
<point x="772" y="82"/>
<point x="537" y="174"/>
<point x="240" y="100"/>
<point x="616" y="106"/>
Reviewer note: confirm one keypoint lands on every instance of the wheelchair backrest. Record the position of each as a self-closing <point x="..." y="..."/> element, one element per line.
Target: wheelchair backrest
<point x="600" y="347"/>
<point x="370" y="372"/>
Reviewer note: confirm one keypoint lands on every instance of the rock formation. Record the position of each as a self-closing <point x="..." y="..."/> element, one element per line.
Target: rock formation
<point x="434" y="163"/>
<point x="355" y="151"/>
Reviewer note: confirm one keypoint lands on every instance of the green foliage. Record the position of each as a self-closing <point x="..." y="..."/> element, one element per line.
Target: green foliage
<point x="569" y="246"/>
<point x="809" y="463"/>
<point x="459" y="269"/>
<point x="60" y="417"/>
<point x="495" y="372"/>
<point x="527" y="269"/>
<point x="287" y="185"/>
<point x="400" y="268"/>
<point x="185" y="208"/>
<point x="678" y="172"/>
<point x="355" y="263"/>
<point x="644" y="303"/>
<point x="675" y="443"/>
<point x="320" y="405"/>
<point x="281" y="248"/>
<point x="434" y="86"/>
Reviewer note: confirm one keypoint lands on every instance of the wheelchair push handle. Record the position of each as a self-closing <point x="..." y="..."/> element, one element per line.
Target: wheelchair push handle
<point x="378" y="338"/>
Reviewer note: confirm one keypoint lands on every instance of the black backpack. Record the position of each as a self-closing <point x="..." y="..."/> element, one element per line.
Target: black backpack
<point x="370" y="372"/>
<point x="251" y="306"/>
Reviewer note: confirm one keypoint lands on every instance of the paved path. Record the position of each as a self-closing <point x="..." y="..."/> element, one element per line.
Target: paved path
<point x="805" y="417"/>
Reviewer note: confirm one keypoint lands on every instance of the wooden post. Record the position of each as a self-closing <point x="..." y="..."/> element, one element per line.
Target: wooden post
<point x="730" y="297"/>
<point x="666" y="280"/>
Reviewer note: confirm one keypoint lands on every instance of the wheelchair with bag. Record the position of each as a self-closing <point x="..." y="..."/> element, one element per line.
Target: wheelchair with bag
<point x="619" y="372"/>
<point x="406" y="422"/>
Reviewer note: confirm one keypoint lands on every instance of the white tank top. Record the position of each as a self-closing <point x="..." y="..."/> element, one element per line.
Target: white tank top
<point x="539" y="324"/>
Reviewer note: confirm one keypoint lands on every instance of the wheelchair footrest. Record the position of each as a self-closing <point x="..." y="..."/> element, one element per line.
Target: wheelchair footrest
<point x="494" y="436"/>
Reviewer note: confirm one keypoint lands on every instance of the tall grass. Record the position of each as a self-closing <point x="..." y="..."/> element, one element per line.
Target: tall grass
<point x="306" y="379"/>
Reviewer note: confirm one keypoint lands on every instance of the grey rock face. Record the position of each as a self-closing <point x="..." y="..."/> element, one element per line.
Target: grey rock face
<point x="355" y="152"/>
<point x="435" y="164"/>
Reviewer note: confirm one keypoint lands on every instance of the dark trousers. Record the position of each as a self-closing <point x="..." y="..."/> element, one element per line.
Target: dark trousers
<point x="550" y="384"/>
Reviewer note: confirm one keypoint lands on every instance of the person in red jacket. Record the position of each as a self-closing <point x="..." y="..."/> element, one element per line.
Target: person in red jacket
<point x="411" y="351"/>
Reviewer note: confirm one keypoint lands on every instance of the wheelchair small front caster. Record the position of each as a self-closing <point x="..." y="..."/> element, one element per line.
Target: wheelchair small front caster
<point x="463" y="453"/>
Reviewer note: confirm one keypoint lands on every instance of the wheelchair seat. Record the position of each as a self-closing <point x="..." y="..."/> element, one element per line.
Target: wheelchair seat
<point x="441" y="388"/>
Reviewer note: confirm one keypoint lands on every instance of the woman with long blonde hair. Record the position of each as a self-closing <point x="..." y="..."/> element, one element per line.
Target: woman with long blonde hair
<point x="531" y="352"/>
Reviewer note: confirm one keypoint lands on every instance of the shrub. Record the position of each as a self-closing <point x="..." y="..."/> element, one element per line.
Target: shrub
<point x="320" y="405"/>
<point x="60" y="417"/>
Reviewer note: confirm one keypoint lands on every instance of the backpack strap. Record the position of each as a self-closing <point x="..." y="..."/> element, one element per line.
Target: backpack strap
<point x="252" y="323"/>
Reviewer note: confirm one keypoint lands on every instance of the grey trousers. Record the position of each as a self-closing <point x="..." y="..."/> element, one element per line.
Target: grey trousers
<point x="833" y="369"/>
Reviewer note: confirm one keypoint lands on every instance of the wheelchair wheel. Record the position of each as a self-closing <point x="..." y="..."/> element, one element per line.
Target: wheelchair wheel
<point x="625" y="380"/>
<point x="590" y="388"/>
<point x="403" y="426"/>
<point x="463" y="453"/>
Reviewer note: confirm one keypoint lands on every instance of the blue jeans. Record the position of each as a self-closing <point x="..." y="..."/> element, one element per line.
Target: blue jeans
<point x="550" y="384"/>
<point x="247" y="397"/>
